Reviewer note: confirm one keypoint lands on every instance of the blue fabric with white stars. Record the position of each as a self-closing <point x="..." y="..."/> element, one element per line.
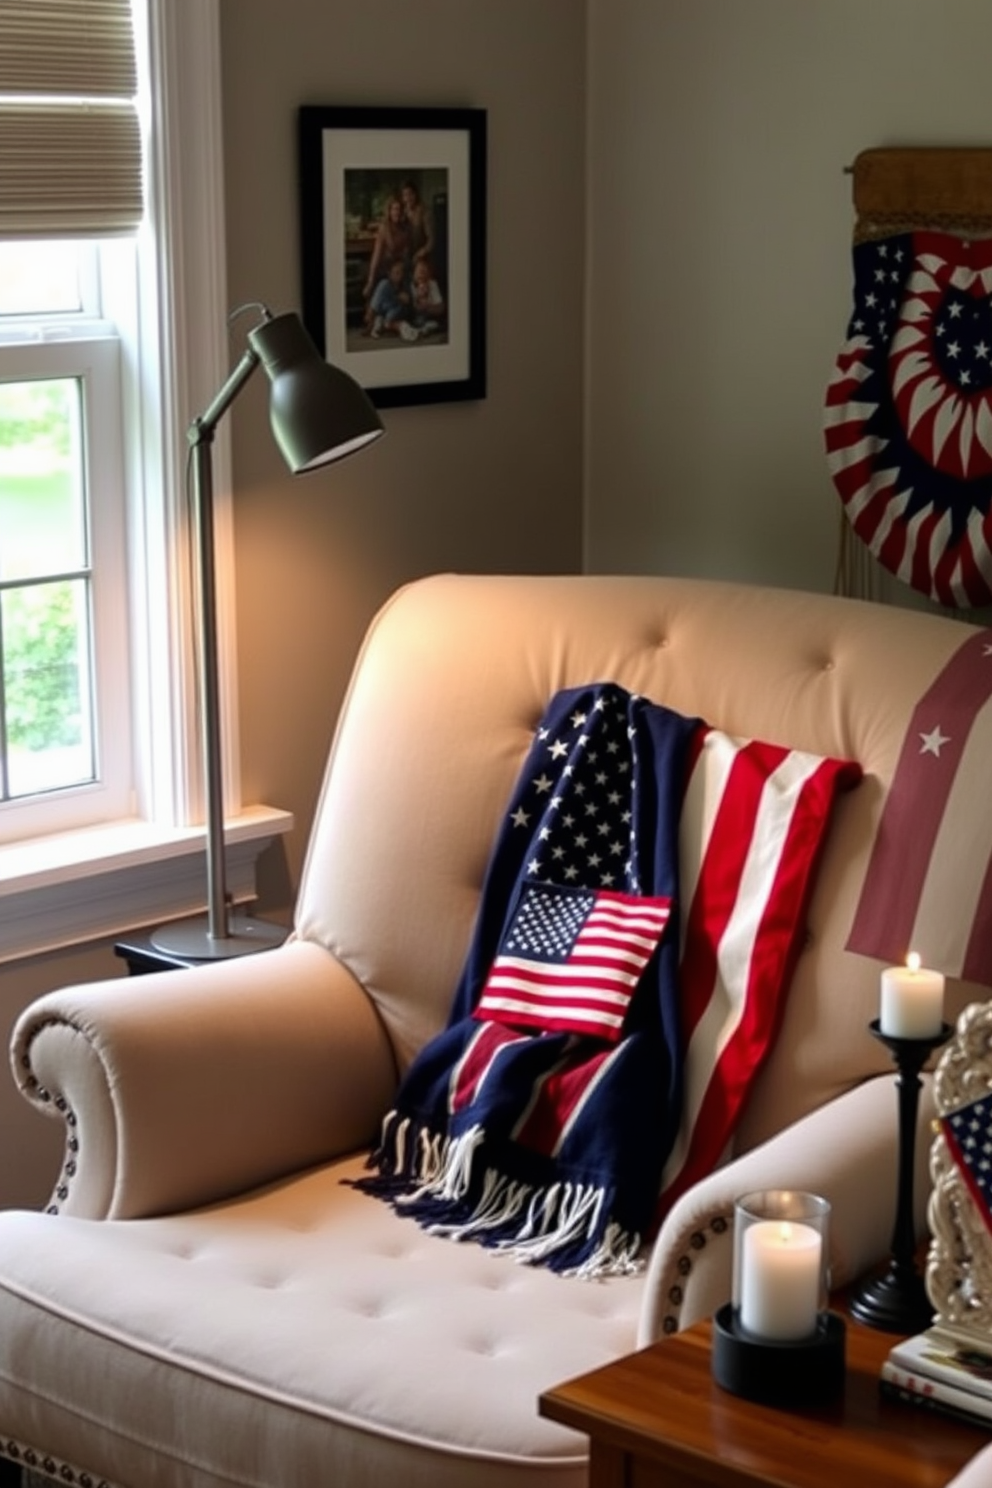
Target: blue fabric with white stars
<point x="596" y="805"/>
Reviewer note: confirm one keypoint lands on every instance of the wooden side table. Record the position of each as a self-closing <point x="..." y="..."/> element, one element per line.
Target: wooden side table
<point x="657" y="1419"/>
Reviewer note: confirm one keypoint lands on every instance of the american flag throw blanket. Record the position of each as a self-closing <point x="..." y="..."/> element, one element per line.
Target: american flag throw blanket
<point x="598" y="1054"/>
<point x="539" y="1122"/>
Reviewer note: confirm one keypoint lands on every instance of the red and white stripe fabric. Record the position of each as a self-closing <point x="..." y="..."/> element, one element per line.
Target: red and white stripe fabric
<point x="571" y="958"/>
<point x="914" y="896"/>
<point x="477" y="1063"/>
<point x="753" y="821"/>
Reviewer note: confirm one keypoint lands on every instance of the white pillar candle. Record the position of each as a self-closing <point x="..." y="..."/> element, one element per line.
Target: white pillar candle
<point x="912" y="1003"/>
<point x="780" y="1279"/>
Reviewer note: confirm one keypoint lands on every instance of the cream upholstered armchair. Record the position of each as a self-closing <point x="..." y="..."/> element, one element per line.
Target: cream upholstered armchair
<point x="208" y="1303"/>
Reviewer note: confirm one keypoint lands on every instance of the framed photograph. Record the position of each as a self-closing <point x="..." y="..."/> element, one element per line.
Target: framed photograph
<point x="393" y="239"/>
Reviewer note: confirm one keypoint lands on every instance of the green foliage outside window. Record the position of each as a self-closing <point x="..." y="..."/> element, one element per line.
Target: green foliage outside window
<point x="34" y="413"/>
<point x="41" y="671"/>
<point x="39" y="535"/>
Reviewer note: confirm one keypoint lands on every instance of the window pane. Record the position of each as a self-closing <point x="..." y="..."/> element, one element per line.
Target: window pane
<point x="39" y="278"/>
<point x="65" y="732"/>
<point x="46" y="672"/>
<point x="42" y="507"/>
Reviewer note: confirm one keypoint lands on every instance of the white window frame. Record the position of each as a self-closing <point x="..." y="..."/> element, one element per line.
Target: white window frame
<point x="101" y="880"/>
<point x="93" y="359"/>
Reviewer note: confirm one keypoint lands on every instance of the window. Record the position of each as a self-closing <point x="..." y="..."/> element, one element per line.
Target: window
<point x="45" y="278"/>
<point x="65" y="736"/>
<point x="101" y="365"/>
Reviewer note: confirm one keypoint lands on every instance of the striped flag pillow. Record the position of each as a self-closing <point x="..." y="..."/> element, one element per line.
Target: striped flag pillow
<point x="570" y="959"/>
<point x="928" y="886"/>
<point x="753" y="821"/>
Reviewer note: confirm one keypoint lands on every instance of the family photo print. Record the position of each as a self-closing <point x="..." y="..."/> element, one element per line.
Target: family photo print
<point x="392" y="217"/>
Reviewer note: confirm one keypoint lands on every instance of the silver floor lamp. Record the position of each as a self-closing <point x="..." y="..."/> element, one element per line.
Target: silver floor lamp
<point x="318" y="414"/>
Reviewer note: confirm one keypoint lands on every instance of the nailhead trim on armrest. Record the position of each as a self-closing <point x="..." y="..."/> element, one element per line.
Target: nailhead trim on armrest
<point x="38" y="1093"/>
<point x="676" y="1295"/>
<point x="48" y="1466"/>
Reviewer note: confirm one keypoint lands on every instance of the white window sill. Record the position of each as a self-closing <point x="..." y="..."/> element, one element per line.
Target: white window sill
<point x="99" y="882"/>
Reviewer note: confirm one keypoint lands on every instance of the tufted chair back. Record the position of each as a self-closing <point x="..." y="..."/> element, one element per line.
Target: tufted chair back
<point x="454" y="675"/>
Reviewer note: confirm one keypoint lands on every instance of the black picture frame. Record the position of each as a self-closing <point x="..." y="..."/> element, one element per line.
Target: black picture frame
<point x="354" y="162"/>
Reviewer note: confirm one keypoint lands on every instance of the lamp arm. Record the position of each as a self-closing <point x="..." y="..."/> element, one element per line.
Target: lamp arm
<point x="203" y="427"/>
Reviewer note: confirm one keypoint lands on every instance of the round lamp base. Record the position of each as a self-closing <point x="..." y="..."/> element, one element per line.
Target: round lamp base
<point x="192" y="938"/>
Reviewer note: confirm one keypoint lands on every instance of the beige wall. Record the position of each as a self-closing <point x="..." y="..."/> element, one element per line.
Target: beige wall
<point x="720" y="229"/>
<point x="494" y="485"/>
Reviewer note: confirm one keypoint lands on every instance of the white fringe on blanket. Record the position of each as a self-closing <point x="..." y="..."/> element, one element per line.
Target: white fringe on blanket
<point x="553" y="1217"/>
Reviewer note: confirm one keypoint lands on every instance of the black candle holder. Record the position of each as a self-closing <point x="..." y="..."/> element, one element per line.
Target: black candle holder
<point x="897" y="1301"/>
<point x="797" y="1372"/>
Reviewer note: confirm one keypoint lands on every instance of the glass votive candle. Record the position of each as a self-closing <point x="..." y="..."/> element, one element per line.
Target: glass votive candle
<point x="781" y="1276"/>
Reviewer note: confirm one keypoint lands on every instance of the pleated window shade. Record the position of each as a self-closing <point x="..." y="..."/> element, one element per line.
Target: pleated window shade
<point x="70" y="141"/>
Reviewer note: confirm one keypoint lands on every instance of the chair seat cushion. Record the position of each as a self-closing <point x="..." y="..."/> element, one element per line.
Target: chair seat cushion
<point x="318" y="1302"/>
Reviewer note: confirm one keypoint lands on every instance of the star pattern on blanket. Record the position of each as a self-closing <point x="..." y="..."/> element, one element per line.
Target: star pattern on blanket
<point x="590" y="842"/>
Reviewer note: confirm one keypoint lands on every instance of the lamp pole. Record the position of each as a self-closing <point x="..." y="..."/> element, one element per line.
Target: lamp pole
<point x="201" y="438"/>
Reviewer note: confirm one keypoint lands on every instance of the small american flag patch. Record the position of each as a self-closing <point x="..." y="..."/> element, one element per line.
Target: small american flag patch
<point x="571" y="959"/>
<point x="969" y="1136"/>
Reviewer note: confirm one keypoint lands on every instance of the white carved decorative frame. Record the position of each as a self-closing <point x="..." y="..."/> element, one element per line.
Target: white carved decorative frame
<point x="959" y="1266"/>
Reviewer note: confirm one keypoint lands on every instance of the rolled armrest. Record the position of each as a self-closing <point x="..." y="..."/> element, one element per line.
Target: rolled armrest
<point x="847" y="1151"/>
<point x="182" y="1087"/>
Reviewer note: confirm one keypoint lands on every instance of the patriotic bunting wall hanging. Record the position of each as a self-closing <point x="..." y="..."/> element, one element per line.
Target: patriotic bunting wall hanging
<point x="908" y="419"/>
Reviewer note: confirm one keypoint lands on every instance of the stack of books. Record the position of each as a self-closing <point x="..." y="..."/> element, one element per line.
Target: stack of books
<point x="938" y="1372"/>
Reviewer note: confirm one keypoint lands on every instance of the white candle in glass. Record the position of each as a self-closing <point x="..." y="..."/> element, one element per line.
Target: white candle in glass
<point x="780" y="1279"/>
<point x="912" y="1003"/>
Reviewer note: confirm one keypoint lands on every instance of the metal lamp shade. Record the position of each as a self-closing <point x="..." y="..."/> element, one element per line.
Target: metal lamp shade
<point x="318" y="413"/>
